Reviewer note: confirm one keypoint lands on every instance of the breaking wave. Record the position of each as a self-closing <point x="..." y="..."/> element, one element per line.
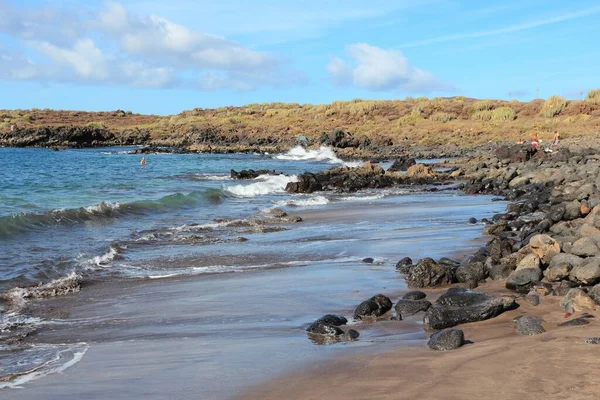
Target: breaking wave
<point x="307" y="202"/>
<point x="262" y="185"/>
<point x="70" y="283"/>
<point x="24" y="222"/>
<point x="323" y="153"/>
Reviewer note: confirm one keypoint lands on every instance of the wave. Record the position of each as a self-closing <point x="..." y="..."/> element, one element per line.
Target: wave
<point x="307" y="202"/>
<point x="28" y="362"/>
<point x="11" y="320"/>
<point x="24" y="222"/>
<point x="70" y="283"/>
<point x="262" y="185"/>
<point x="323" y="153"/>
<point x="363" y="198"/>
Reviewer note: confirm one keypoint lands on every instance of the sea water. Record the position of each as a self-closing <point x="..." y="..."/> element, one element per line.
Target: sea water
<point x="176" y="249"/>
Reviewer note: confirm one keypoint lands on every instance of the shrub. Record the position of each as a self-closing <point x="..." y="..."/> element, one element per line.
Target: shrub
<point x="593" y="96"/>
<point x="553" y="106"/>
<point x="441" y="117"/>
<point x="98" y="125"/>
<point x="503" y="114"/>
<point x="418" y="108"/>
<point x="482" y="105"/>
<point x="485" y="115"/>
<point x="27" y="117"/>
<point x="419" y="99"/>
<point x="409" y="119"/>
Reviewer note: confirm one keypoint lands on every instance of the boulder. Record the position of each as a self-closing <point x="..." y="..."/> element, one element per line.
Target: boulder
<point x="577" y="300"/>
<point x="592" y="340"/>
<point x="414" y="295"/>
<point x="526" y="274"/>
<point x="588" y="273"/>
<point x="585" y="247"/>
<point x="375" y="307"/>
<point x="572" y="210"/>
<point x="533" y="298"/>
<point x="556" y="212"/>
<point x="472" y="272"/>
<point x="420" y="171"/>
<point x="499" y="248"/>
<point x="514" y="153"/>
<point x="404" y="265"/>
<point x="328" y="325"/>
<point x="545" y="247"/>
<point x="563" y="288"/>
<point x="428" y="273"/>
<point x="448" y="339"/>
<point x="458" y="306"/>
<point x="560" y="266"/>
<point x="402" y="163"/>
<point x="529" y="325"/>
<point x="410" y="307"/>
<point x="594" y="293"/>
<point x="250" y="173"/>
<point x="575" y="322"/>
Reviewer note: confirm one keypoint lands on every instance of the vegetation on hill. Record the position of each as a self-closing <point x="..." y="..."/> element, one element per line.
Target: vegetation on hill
<point x="422" y="121"/>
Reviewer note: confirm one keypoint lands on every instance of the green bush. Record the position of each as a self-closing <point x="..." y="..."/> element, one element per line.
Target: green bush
<point x="441" y="117"/>
<point x="482" y="105"/>
<point x="485" y="115"/>
<point x="27" y="117"/>
<point x="553" y="106"/>
<point x="409" y="119"/>
<point x="503" y="114"/>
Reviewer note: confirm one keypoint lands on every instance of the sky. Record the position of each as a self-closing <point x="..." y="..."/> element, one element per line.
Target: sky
<point x="163" y="57"/>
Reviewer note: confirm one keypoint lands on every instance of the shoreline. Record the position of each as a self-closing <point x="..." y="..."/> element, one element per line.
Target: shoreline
<point x="154" y="317"/>
<point x="540" y="211"/>
<point x="497" y="361"/>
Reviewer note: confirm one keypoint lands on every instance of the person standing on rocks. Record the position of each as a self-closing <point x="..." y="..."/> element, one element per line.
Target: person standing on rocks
<point x="534" y="141"/>
<point x="555" y="140"/>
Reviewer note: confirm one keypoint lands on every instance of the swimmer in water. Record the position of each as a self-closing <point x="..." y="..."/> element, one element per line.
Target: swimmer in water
<point x="143" y="161"/>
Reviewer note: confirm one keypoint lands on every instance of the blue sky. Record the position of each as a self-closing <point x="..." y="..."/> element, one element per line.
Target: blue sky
<point x="156" y="56"/>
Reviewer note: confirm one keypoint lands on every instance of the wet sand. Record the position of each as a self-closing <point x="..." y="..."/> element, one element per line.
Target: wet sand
<point x="499" y="364"/>
<point x="213" y="336"/>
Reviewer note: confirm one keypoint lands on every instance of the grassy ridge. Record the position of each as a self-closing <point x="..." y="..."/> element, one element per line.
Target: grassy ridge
<point x="422" y="121"/>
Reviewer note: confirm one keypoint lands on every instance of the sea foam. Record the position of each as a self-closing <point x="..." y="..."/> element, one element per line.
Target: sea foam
<point x="262" y="185"/>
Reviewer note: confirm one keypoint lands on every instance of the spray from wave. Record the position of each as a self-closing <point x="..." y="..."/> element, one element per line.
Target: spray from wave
<point x="262" y="185"/>
<point x="323" y="153"/>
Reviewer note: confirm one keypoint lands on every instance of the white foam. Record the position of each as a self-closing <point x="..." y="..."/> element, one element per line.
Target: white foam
<point x="262" y="185"/>
<point x="363" y="198"/>
<point x="308" y="202"/>
<point x="61" y="286"/>
<point x="12" y="319"/>
<point x="44" y="359"/>
<point x="98" y="208"/>
<point x="324" y="153"/>
<point x="214" y="177"/>
<point x="102" y="260"/>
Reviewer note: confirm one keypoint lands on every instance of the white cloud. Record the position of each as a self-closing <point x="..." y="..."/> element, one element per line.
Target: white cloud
<point x="111" y="45"/>
<point x="379" y="69"/>
<point x="85" y="59"/>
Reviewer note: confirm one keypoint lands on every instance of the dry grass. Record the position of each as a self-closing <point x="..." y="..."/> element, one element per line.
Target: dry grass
<point x="593" y="96"/>
<point x="456" y="120"/>
<point x="553" y="106"/>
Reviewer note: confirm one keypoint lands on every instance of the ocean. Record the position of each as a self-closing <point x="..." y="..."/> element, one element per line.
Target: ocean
<point x="187" y="278"/>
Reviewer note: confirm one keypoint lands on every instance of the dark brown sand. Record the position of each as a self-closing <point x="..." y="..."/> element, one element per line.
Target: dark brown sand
<point x="499" y="364"/>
